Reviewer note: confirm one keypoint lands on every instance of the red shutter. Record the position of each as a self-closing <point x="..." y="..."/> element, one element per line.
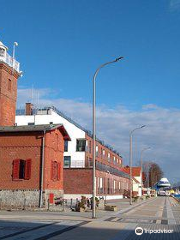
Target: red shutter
<point x="59" y="171"/>
<point x="15" y="173"/>
<point x="27" y="169"/>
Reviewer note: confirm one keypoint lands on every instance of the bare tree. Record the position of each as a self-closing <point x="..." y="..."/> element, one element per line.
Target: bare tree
<point x="152" y="173"/>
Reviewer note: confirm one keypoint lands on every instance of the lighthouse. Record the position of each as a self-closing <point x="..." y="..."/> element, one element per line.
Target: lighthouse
<point x="9" y="74"/>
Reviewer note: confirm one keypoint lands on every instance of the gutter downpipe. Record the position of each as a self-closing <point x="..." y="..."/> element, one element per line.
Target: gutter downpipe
<point x="42" y="172"/>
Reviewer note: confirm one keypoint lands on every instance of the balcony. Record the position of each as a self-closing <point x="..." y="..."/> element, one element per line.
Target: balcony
<point x="10" y="62"/>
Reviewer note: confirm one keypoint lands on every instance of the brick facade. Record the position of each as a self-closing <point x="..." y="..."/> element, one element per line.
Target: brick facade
<point x="78" y="181"/>
<point x="8" y="95"/>
<point x="19" y="146"/>
<point x="29" y="145"/>
<point x="54" y="150"/>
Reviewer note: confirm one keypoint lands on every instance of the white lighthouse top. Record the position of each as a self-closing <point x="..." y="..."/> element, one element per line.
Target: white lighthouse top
<point x="6" y="58"/>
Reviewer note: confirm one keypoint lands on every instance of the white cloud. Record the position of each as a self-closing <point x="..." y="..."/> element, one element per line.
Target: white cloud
<point x="162" y="133"/>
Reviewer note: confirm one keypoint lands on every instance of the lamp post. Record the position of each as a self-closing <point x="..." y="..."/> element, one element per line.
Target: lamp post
<point x="141" y="162"/>
<point x="131" y="160"/>
<point x="94" y="134"/>
<point x="14" y="49"/>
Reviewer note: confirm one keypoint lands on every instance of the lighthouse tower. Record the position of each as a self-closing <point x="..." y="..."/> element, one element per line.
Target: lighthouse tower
<point x="9" y="74"/>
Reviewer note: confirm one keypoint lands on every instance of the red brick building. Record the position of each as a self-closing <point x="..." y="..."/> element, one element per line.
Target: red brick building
<point x="31" y="164"/>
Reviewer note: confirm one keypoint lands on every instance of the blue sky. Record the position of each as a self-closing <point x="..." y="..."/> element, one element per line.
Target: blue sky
<point x="61" y="43"/>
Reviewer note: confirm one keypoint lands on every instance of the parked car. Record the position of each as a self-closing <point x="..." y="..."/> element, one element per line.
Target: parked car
<point x="161" y="193"/>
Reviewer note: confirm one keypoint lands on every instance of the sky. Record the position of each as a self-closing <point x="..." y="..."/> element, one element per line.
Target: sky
<point x="63" y="42"/>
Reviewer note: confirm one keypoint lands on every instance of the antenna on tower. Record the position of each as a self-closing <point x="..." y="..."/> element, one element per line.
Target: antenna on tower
<point x="32" y="94"/>
<point x="37" y="99"/>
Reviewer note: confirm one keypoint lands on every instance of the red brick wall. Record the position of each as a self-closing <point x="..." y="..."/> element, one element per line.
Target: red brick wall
<point x="77" y="181"/>
<point x="7" y="97"/>
<point x="54" y="150"/>
<point x="19" y="146"/>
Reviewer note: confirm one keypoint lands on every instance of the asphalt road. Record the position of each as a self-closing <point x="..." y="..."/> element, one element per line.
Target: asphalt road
<point x="158" y="218"/>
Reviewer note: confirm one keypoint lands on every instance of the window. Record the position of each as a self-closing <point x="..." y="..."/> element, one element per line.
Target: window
<point x="119" y="185"/>
<point x="97" y="151"/>
<point x="21" y="169"/>
<point x="104" y="153"/>
<point x="100" y="185"/>
<point x="67" y="161"/>
<point x="80" y="145"/>
<point x="55" y="170"/>
<point x="109" y="157"/>
<point x="66" y="146"/>
<point x="90" y="162"/>
<point x="120" y="162"/>
<point x="9" y="84"/>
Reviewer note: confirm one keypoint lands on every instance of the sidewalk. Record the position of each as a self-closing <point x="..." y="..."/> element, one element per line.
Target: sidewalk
<point x="122" y="206"/>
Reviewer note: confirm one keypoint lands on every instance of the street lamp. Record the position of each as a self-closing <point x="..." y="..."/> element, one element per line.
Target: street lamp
<point x="14" y="49"/>
<point x="94" y="134"/>
<point x="141" y="162"/>
<point x="131" y="160"/>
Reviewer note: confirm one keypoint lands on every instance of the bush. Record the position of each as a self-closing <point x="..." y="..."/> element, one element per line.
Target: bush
<point x="96" y="200"/>
<point x="135" y="198"/>
<point x="81" y="204"/>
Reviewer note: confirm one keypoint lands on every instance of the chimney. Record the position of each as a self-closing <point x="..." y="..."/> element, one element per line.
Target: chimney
<point x="29" y="108"/>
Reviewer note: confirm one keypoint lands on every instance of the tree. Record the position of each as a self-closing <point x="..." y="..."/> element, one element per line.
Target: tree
<point x="152" y="173"/>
